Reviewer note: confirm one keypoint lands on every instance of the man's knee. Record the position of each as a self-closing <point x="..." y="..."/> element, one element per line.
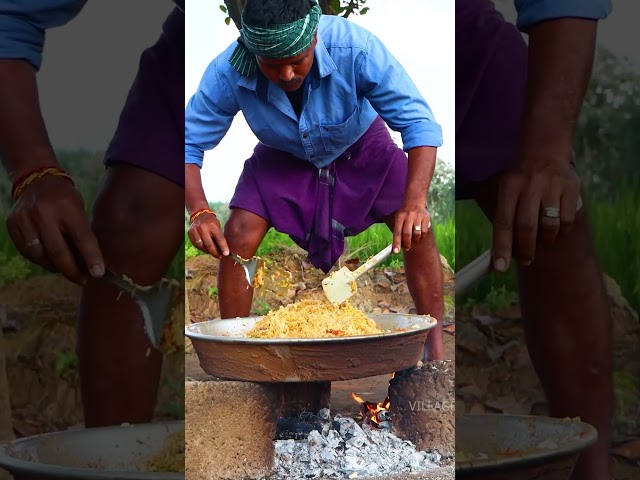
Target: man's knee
<point x="137" y="227"/>
<point x="244" y="232"/>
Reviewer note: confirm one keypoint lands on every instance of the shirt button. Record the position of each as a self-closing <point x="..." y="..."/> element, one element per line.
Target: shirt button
<point x="305" y="135"/>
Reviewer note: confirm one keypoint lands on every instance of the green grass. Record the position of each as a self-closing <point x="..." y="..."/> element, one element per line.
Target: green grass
<point x="615" y="225"/>
<point x="473" y="236"/>
<point x="362" y="246"/>
<point x="615" y="228"/>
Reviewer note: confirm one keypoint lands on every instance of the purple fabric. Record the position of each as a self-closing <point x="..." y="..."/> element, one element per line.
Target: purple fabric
<point x="150" y="133"/>
<point x="491" y="74"/>
<point x="318" y="208"/>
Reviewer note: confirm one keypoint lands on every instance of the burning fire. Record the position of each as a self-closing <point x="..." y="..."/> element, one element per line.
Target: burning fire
<point x="375" y="413"/>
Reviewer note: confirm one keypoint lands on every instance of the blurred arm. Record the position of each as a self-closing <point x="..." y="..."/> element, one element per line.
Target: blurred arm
<point x="24" y="143"/>
<point x="562" y="36"/>
<point x="561" y="54"/>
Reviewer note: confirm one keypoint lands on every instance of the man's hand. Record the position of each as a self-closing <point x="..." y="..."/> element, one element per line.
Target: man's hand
<point x="561" y="53"/>
<point x="205" y="231"/>
<point x="526" y="192"/>
<point x="206" y="235"/>
<point x="47" y="224"/>
<point x="411" y="225"/>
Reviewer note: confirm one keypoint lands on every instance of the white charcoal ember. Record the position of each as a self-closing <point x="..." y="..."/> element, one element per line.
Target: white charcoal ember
<point x="347" y="450"/>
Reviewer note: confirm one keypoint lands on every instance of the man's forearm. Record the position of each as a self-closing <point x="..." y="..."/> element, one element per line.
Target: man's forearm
<point x="561" y="56"/>
<point x="422" y="162"/>
<point x="194" y="196"/>
<point x="24" y="143"/>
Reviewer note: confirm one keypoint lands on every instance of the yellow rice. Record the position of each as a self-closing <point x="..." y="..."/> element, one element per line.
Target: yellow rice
<point x="314" y="319"/>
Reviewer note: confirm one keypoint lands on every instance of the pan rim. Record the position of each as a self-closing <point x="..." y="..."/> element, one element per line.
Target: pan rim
<point x="587" y="438"/>
<point x="431" y="323"/>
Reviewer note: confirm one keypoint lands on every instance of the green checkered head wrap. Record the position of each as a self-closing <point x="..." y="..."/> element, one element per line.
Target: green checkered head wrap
<point x="276" y="41"/>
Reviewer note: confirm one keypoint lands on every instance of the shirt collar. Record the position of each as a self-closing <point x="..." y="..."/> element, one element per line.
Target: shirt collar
<point x="323" y="66"/>
<point x="325" y="63"/>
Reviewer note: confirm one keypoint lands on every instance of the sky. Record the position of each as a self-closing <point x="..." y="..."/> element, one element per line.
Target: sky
<point x="398" y="24"/>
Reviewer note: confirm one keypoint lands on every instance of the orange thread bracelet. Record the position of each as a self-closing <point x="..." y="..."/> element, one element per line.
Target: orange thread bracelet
<point x="23" y="182"/>
<point x="197" y="213"/>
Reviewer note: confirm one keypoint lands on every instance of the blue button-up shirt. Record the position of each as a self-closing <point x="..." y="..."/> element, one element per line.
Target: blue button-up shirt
<point x="534" y="11"/>
<point x="353" y="79"/>
<point x="23" y="24"/>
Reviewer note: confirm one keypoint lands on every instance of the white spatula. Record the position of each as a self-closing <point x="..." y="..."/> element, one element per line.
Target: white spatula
<point x="341" y="285"/>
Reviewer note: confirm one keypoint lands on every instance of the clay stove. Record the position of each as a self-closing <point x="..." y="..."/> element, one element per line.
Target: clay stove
<point x="301" y="371"/>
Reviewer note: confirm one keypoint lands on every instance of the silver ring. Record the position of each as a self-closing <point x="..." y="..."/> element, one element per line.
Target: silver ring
<point x="429" y="226"/>
<point x="32" y="243"/>
<point x="552" y="212"/>
<point x="417" y="228"/>
<point x="199" y="241"/>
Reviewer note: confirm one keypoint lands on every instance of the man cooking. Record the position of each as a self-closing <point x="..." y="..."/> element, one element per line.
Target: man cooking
<point x="318" y="92"/>
<point x="516" y="111"/>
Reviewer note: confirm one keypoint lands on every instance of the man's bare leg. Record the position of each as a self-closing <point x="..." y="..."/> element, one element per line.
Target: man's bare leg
<point x="568" y="328"/>
<point x="138" y="218"/>
<point x="244" y="232"/>
<point x="425" y="281"/>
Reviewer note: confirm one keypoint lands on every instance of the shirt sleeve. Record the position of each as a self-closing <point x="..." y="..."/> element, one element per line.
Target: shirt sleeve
<point x="208" y="115"/>
<point x="23" y="25"/>
<point x="531" y="12"/>
<point x="392" y="93"/>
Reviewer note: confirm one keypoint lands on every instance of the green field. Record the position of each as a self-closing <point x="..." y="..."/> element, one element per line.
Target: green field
<point x="364" y="245"/>
<point x="615" y="224"/>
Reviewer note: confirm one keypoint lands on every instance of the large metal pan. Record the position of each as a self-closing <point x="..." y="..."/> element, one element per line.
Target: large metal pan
<point x="504" y="447"/>
<point x="107" y="453"/>
<point x="224" y="351"/>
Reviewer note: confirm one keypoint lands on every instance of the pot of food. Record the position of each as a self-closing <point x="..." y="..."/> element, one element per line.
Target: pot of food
<point x="505" y="447"/>
<point x="310" y="341"/>
<point x="127" y="452"/>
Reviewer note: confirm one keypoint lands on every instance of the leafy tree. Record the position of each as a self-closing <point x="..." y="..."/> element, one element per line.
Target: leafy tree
<point x="441" y="199"/>
<point x="343" y="8"/>
<point x="607" y="143"/>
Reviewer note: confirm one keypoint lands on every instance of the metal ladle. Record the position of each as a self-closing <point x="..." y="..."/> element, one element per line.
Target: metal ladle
<point x="250" y="266"/>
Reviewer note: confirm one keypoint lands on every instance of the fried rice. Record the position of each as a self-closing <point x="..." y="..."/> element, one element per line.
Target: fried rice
<point x="314" y="319"/>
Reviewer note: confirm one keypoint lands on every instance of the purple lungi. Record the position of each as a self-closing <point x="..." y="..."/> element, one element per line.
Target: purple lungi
<point x="318" y="208"/>
<point x="491" y="74"/>
<point x="150" y="133"/>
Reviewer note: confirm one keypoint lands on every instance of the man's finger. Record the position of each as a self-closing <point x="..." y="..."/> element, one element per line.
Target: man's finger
<point x="526" y="227"/>
<point x="59" y="253"/>
<point x="26" y="239"/>
<point x="549" y="224"/>
<point x="408" y="227"/>
<point x="221" y="241"/>
<point x="86" y="244"/>
<point x="208" y="244"/>
<point x="426" y="225"/>
<point x="508" y="193"/>
<point x="568" y="211"/>
<point x="417" y="230"/>
<point x="397" y="232"/>
<point x="196" y="239"/>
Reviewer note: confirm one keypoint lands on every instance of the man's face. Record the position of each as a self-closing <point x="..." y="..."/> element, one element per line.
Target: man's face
<point x="288" y="73"/>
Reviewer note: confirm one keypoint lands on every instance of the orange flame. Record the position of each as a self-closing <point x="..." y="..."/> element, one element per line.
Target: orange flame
<point x="375" y="412"/>
<point x="372" y="411"/>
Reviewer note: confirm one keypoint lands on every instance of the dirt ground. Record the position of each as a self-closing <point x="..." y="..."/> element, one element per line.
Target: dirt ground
<point x="495" y="375"/>
<point x="38" y="318"/>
